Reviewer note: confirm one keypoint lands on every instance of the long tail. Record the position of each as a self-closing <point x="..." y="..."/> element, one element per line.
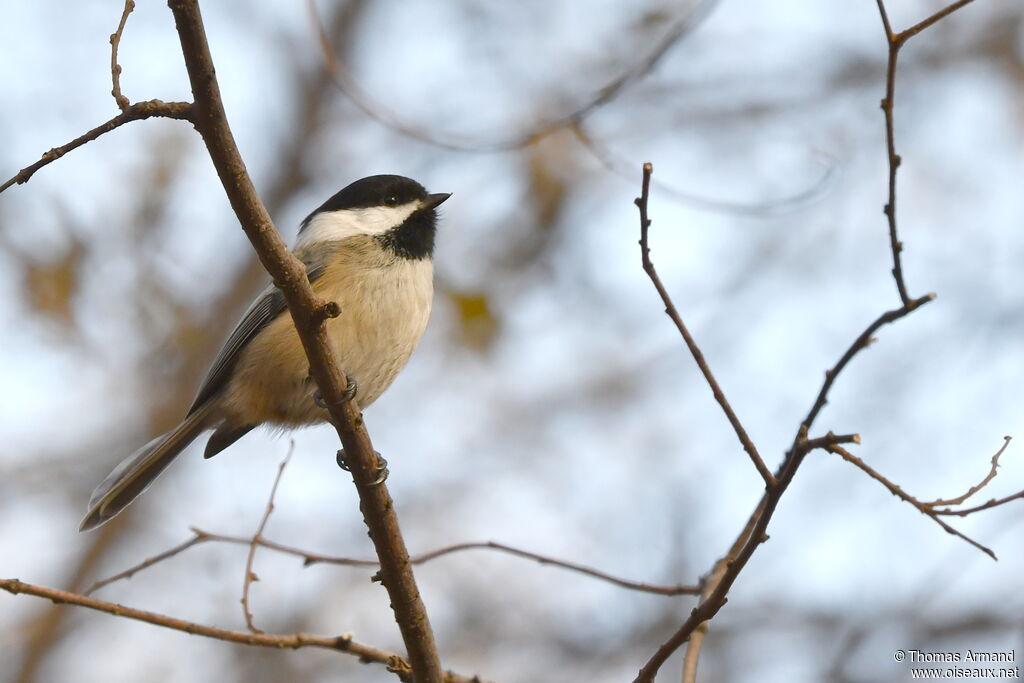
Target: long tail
<point x="137" y="471"/>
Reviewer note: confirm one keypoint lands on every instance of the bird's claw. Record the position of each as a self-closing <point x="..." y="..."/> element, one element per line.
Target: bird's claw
<point x="350" y="392"/>
<point x="382" y="467"/>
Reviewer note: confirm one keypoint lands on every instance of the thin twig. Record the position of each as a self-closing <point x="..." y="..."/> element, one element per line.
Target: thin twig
<point x="115" y="68"/>
<point x="894" y="159"/>
<point x="864" y="340"/>
<point x="960" y="500"/>
<point x="692" y="656"/>
<point x="135" y="112"/>
<point x="754" y="533"/>
<point x="830" y="439"/>
<point x="250" y="575"/>
<point x="716" y="590"/>
<point x="341" y="79"/>
<point x="571" y="566"/>
<point x="895" y="490"/>
<point x="366" y="653"/>
<point x="895" y="41"/>
<point x="909" y="33"/>
<point x="289" y="274"/>
<point x="145" y="564"/>
<point x="994" y="503"/>
<point x="698" y="356"/>
<point x="309" y="559"/>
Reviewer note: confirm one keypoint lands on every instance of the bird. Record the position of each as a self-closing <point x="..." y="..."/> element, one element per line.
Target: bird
<point x="368" y="248"/>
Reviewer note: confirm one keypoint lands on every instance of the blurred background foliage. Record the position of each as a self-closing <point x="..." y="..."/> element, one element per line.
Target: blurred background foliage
<point x="551" y="405"/>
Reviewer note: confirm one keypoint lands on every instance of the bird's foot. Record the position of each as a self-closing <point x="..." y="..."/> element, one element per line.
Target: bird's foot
<point x="382" y="467"/>
<point x="350" y="392"/>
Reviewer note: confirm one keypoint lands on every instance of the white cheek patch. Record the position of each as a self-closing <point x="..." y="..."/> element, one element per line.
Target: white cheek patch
<point x="337" y="225"/>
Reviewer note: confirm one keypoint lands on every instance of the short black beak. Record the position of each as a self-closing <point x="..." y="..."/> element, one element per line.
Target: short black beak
<point x="433" y="200"/>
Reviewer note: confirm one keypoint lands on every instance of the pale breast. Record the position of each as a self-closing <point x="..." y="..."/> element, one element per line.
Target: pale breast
<point x="384" y="311"/>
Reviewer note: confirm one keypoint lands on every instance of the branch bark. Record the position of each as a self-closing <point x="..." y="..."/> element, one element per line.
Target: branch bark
<point x="691" y="343"/>
<point x="134" y="112"/>
<point x="294" y="641"/>
<point x="308" y="313"/>
<point x="895" y="42"/>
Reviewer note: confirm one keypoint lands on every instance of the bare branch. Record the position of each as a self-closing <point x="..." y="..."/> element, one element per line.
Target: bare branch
<point x="115" y="68"/>
<point x="719" y="581"/>
<point x="895" y="42"/>
<point x="289" y="275"/>
<point x="134" y="112"/>
<point x="906" y="497"/>
<point x="906" y="35"/>
<point x="145" y="564"/>
<point x="830" y="439"/>
<point x="670" y="310"/>
<point x="366" y="653"/>
<point x="994" y="503"/>
<point x="959" y="500"/>
<point x="754" y="532"/>
<point x="310" y="558"/>
<point x="864" y="340"/>
<point x="894" y="162"/>
<point x="250" y="576"/>
<point x="708" y="584"/>
<point x="571" y="566"/>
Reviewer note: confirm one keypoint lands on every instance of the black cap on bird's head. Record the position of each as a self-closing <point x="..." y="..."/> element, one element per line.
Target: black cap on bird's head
<point x="397" y="210"/>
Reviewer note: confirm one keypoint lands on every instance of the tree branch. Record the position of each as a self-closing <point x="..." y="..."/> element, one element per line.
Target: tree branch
<point x="719" y="582"/>
<point x="754" y="533"/>
<point x="134" y="112"/>
<point x="692" y="656"/>
<point x="961" y="499"/>
<point x="309" y="558"/>
<point x="115" y="68"/>
<point x="906" y="497"/>
<point x="895" y="42"/>
<point x="366" y="653"/>
<point x="670" y="310"/>
<point x="289" y="276"/>
<point x="906" y="35"/>
<point x="250" y="576"/>
<point x="864" y="340"/>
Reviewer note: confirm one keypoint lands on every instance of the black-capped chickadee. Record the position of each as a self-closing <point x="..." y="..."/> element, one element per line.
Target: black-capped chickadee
<point x="368" y="248"/>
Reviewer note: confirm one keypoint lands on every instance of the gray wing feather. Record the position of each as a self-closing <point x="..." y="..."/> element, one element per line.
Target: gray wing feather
<point x="261" y="313"/>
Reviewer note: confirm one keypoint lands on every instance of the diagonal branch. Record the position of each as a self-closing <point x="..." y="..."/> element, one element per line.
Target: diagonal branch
<point x="863" y="341"/>
<point x="307" y="311"/>
<point x="904" y="36"/>
<point x="366" y="653"/>
<point x="670" y="310"/>
<point x="905" y="497"/>
<point x="134" y="112"/>
<point x="145" y="564"/>
<point x="719" y="582"/>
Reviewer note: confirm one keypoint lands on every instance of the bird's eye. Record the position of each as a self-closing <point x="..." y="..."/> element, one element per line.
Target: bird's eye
<point x="392" y="200"/>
